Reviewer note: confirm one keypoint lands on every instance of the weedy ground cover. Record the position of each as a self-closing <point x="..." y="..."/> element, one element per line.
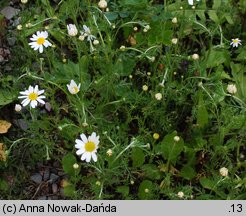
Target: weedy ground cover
<point x="130" y="99"/>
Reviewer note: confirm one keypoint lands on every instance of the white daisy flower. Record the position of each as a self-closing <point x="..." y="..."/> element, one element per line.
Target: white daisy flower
<point x="32" y="96"/>
<point x="235" y="42"/>
<point x="87" y="147"/>
<point x="87" y="33"/>
<point x="191" y="2"/>
<point x="73" y="88"/>
<point x="72" y="30"/>
<point x="39" y="41"/>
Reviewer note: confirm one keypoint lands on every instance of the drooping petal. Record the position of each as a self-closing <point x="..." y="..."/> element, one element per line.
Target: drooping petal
<point x="41" y="49"/>
<point x="40" y="101"/>
<point x="84" y="155"/>
<point x="88" y="157"/>
<point x="94" y="157"/>
<point x="34" y="103"/>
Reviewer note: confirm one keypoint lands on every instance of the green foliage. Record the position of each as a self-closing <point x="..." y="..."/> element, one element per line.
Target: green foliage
<point x="138" y="157"/>
<point x="171" y="149"/>
<point x="67" y="164"/>
<point x="146" y="190"/>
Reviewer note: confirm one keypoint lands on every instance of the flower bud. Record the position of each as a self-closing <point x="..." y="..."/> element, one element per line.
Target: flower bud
<point x="146" y="190"/>
<point x="75" y="166"/>
<point x="232" y="89"/>
<point x="223" y="171"/>
<point x="18" y="107"/>
<point x="72" y="30"/>
<point x="19" y="27"/>
<point x="109" y="152"/>
<point x="96" y="42"/>
<point x="174" y="40"/>
<point x="145" y="88"/>
<point x="180" y="194"/>
<point x="156" y="136"/>
<point x="158" y="96"/>
<point x="195" y="56"/>
<point x="176" y="138"/>
<point x="174" y="20"/>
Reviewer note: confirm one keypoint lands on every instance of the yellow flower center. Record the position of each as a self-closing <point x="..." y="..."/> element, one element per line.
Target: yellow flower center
<point x="75" y="89"/>
<point x="90" y="146"/>
<point x="40" y="41"/>
<point x="33" y="96"/>
<point x="235" y="41"/>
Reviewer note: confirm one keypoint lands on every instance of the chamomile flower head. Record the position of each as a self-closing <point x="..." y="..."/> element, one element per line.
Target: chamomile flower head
<point x="87" y="33"/>
<point x="33" y="96"/>
<point x="39" y="41"/>
<point x="73" y="88"/>
<point x="235" y="42"/>
<point x="87" y="147"/>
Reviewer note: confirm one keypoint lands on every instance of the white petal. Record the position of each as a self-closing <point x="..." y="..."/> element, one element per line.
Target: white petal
<point x="190" y="2"/>
<point x="40" y="92"/>
<point x="36" y="47"/>
<point x="24" y="92"/>
<point x="36" y="89"/>
<point x="45" y="34"/>
<point x="83" y="157"/>
<point x="80" y="151"/>
<point x="25" y="96"/>
<point x="47" y="43"/>
<point x="79" y="143"/>
<point x="73" y="84"/>
<point x="84" y="138"/>
<point x="34" y="37"/>
<point x="88" y="157"/>
<point x="34" y="103"/>
<point x="32" y="43"/>
<point x="40" y="101"/>
<point x="25" y="102"/>
<point x="94" y="157"/>
<point x="30" y="89"/>
<point x="41" y="97"/>
<point x="41" y="49"/>
<point x="85" y="28"/>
